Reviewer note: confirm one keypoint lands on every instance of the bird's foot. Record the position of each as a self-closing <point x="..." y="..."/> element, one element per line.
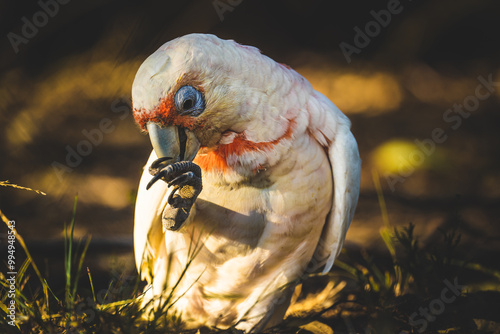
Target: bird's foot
<point x="185" y="177"/>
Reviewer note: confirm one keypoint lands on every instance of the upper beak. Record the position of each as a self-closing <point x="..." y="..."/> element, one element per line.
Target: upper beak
<point x="176" y="143"/>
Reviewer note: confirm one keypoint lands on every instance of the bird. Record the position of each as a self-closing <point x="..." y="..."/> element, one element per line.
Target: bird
<point x="250" y="187"/>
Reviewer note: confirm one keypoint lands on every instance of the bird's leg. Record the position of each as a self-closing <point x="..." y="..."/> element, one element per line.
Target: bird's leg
<point x="185" y="178"/>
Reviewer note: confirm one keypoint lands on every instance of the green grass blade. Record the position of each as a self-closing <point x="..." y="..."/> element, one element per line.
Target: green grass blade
<point x="68" y="243"/>
<point x="91" y="285"/>
<point x="80" y="264"/>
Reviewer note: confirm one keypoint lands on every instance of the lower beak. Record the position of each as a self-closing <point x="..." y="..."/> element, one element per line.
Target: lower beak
<point x="173" y="142"/>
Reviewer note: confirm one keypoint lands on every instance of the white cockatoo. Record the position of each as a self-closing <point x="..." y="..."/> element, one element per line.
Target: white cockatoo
<point x="258" y="179"/>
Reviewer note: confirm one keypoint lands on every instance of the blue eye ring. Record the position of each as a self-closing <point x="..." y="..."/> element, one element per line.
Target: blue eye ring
<point x="189" y="101"/>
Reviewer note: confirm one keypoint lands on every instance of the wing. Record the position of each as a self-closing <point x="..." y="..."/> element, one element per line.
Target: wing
<point x="331" y="128"/>
<point x="148" y="231"/>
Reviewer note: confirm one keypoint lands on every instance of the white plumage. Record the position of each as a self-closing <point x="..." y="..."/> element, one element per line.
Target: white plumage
<point x="280" y="173"/>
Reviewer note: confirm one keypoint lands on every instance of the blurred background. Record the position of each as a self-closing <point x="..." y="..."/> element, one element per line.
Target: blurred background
<point x="418" y="79"/>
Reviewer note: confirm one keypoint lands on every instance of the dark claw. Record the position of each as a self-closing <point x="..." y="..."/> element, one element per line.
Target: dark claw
<point x="185" y="177"/>
<point x="168" y="172"/>
<point x="158" y="165"/>
<point x="159" y="170"/>
<point x="153" y="180"/>
<point x="181" y="180"/>
<point x="158" y="162"/>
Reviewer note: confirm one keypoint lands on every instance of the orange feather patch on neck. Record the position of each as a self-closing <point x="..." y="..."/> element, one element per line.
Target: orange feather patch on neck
<point x="217" y="159"/>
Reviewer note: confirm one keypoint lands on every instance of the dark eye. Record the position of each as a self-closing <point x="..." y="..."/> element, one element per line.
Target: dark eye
<point x="189" y="101"/>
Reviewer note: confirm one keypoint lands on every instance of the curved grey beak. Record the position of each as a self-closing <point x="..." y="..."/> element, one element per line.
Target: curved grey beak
<point x="173" y="142"/>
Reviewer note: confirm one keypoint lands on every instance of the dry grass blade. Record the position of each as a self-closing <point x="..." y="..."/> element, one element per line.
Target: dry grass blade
<point x="6" y="183"/>
<point x="28" y="254"/>
<point x="315" y="303"/>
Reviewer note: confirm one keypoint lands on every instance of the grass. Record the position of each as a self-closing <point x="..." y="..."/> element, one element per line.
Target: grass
<point x="364" y="294"/>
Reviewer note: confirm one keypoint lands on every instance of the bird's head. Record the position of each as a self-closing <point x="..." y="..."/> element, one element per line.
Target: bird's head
<point x="199" y="91"/>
